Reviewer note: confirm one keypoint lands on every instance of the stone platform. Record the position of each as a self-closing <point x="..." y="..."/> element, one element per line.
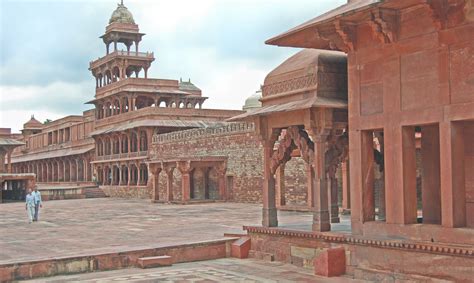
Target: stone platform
<point x="220" y="270"/>
<point x="94" y="226"/>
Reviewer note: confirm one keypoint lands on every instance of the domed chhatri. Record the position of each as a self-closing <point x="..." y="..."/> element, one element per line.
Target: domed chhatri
<point x="121" y="15"/>
<point x="253" y="101"/>
<point x="33" y="124"/>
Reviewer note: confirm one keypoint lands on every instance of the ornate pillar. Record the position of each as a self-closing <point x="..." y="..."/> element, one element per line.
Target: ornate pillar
<point x="139" y="174"/>
<point x="112" y="175"/>
<point x="120" y="174"/>
<point x="280" y="186"/>
<point x="310" y="181"/>
<point x="129" y="171"/>
<point x="9" y="161"/>
<point x="346" y="191"/>
<point x="185" y="168"/>
<point x="156" y="170"/>
<point x="169" y="184"/>
<point x="269" y="211"/>
<point x="205" y="172"/>
<point x="320" y="197"/>
<point x="221" y="169"/>
<point x="334" y="199"/>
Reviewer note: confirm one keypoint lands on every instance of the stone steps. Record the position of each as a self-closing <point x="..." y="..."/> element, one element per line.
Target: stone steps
<point x="94" y="192"/>
<point x="155" y="261"/>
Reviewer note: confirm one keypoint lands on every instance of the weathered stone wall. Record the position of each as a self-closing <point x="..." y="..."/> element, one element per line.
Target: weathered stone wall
<point x="296" y="190"/>
<point x="244" y="163"/>
<point x="367" y="259"/>
<point x="142" y="192"/>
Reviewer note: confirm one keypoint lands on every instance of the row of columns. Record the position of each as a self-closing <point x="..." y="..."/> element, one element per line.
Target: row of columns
<point x="126" y="142"/>
<point x="333" y="185"/>
<point x="123" y="174"/>
<point x="66" y="169"/>
<point x="186" y="168"/>
<point x="119" y="73"/>
<point x="318" y="191"/>
<point x="116" y="106"/>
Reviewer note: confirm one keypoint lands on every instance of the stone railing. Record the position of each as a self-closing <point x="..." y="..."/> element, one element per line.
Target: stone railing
<point x="110" y="56"/>
<point x="122" y="155"/>
<point x="230" y="128"/>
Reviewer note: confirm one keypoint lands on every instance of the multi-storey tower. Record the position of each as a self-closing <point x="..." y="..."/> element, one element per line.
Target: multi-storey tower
<point x="130" y="107"/>
<point x="122" y="83"/>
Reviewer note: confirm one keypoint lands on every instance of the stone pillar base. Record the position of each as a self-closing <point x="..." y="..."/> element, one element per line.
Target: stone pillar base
<point x="331" y="262"/>
<point x="321" y="221"/>
<point x="269" y="217"/>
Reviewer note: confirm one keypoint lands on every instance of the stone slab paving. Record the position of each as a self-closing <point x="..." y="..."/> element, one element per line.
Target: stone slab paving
<point x="221" y="270"/>
<point x="92" y="226"/>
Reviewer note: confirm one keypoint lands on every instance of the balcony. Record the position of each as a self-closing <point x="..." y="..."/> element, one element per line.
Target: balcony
<point x="119" y="156"/>
<point x="146" y="56"/>
<point x="129" y="83"/>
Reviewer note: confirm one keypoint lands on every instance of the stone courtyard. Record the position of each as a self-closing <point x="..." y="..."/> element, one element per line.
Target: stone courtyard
<point x="93" y="226"/>
<point x="220" y="270"/>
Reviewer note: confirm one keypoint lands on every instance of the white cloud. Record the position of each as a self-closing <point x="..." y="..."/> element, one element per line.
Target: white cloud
<point x="18" y="103"/>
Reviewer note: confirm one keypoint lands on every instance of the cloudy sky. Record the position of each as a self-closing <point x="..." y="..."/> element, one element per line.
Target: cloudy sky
<point x="46" y="47"/>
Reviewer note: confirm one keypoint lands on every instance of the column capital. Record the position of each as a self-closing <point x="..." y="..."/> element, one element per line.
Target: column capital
<point x="319" y="134"/>
<point x="155" y="168"/>
<point x="184" y="166"/>
<point x="221" y="168"/>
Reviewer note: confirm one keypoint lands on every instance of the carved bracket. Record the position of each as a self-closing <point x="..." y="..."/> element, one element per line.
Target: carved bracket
<point x="385" y="24"/>
<point x="295" y="137"/>
<point x="337" y="153"/>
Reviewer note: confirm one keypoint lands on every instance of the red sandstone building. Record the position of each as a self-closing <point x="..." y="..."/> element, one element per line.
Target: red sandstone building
<point x="110" y="143"/>
<point x="378" y="80"/>
<point x="409" y="73"/>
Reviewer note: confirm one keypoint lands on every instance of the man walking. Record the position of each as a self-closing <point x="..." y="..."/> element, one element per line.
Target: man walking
<point x="38" y="202"/>
<point x="30" y="205"/>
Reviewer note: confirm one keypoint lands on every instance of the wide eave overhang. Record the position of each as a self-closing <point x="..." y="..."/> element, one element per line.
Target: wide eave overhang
<point x="303" y="104"/>
<point x="305" y="36"/>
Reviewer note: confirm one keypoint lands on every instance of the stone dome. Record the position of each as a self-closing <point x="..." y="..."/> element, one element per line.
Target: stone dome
<point x="121" y="15"/>
<point x="253" y="101"/>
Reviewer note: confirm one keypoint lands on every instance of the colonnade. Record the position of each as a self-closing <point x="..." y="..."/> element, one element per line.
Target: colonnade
<point x="187" y="168"/>
<point x="117" y="105"/>
<point x="127" y="173"/>
<point x="61" y="169"/>
<point x="122" y="143"/>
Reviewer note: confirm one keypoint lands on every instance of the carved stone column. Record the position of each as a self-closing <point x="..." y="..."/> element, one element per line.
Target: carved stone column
<point x="320" y="197"/>
<point x="269" y="211"/>
<point x="156" y="170"/>
<point x="185" y="168"/>
<point x="334" y="199"/>
<point x="346" y="191"/>
<point x="280" y="186"/>
<point x="169" y="184"/>
<point x="221" y="170"/>
<point x="311" y="184"/>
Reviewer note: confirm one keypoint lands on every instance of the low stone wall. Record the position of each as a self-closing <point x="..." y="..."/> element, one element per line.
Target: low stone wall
<point x="367" y="259"/>
<point x="133" y="192"/>
<point x="64" y="193"/>
<point x="110" y="261"/>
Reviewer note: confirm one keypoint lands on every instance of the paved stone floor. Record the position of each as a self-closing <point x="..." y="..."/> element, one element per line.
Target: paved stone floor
<point x="90" y="226"/>
<point x="221" y="270"/>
